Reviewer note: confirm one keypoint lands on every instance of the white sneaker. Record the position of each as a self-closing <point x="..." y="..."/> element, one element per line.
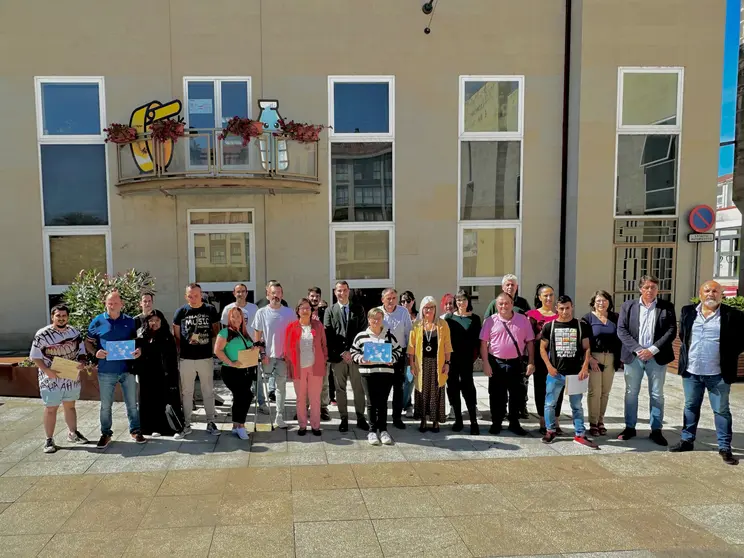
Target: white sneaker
<point x="242" y="434"/>
<point x="264" y="409"/>
<point x="385" y="438"/>
<point x="186" y="431"/>
<point x="373" y="439"/>
<point x="409" y="412"/>
<point x="280" y="422"/>
<point x="179" y="436"/>
<point x="155" y="434"/>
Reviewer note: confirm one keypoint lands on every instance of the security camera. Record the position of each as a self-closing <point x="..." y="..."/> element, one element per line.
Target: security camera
<point x="427" y="30"/>
<point x="427" y="8"/>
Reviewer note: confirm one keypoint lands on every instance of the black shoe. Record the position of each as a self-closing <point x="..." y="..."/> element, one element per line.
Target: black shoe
<point x="517" y="429"/>
<point x="627" y="434"/>
<point x="524" y="414"/>
<point x="344" y="426"/>
<point x="728" y="457"/>
<point x="458" y="426"/>
<point x="435" y="429"/>
<point x="399" y="424"/>
<point x="325" y="415"/>
<point x="317" y="432"/>
<point x="495" y="428"/>
<point x="474" y="429"/>
<point x="362" y="424"/>
<point x="103" y="442"/>
<point x="272" y="397"/>
<point x="302" y="431"/>
<point x="422" y="427"/>
<point x="657" y="437"/>
<point x="682" y="446"/>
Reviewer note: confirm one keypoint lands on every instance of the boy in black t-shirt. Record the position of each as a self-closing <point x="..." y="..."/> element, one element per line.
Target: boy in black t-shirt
<point x="565" y="350"/>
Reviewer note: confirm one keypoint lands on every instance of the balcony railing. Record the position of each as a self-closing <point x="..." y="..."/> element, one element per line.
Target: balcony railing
<point x="200" y="154"/>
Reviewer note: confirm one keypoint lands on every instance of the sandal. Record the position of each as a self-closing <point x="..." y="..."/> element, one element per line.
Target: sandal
<point x="593" y="430"/>
<point x="602" y="430"/>
<point x="558" y="430"/>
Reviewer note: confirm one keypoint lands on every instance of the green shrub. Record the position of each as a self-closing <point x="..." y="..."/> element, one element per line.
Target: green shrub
<point x="85" y="296"/>
<point x="734" y="301"/>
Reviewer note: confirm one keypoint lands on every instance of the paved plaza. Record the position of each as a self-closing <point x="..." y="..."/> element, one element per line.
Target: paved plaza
<point x="429" y="494"/>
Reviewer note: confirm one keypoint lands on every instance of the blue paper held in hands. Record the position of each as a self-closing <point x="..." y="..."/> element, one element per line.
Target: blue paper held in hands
<point x="379" y="353"/>
<point x="120" y="350"/>
<point x="409" y="374"/>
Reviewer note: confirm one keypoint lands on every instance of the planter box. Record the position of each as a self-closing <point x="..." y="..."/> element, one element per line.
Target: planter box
<point x="22" y="381"/>
<point x="673" y="365"/>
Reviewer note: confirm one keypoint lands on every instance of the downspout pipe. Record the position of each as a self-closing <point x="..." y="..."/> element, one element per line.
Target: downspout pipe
<point x="564" y="148"/>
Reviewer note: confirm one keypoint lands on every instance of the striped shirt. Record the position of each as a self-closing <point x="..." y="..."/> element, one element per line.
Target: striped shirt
<point x="366" y="336"/>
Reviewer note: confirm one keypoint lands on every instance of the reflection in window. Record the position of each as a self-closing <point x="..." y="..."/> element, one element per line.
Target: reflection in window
<point x="70" y="255"/>
<point x="361" y="181"/>
<point x="74" y="185"/>
<point x="491" y="106"/>
<point x="70" y="109"/>
<point x="490" y="175"/>
<point x="362" y="254"/>
<point x="361" y="108"/>
<point x="488" y="252"/>
<point x="213" y="262"/>
<point x="649" y="99"/>
<point x="647" y="174"/>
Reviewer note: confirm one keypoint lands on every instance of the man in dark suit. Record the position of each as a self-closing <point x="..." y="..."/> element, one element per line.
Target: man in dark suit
<point x="712" y="340"/>
<point x="342" y="322"/>
<point x="647" y="328"/>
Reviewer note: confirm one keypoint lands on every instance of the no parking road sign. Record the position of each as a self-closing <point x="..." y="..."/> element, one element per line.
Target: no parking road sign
<point x="702" y="218"/>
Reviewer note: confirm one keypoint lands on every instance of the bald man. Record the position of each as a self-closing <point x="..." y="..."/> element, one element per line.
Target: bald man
<point x="711" y="343"/>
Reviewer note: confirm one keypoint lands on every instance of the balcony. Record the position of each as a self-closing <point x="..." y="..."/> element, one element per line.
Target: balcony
<point x="201" y="162"/>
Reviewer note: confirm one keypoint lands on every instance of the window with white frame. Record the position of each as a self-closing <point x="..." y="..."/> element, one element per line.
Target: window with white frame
<point x="362" y="139"/>
<point x="221" y="248"/>
<point x="728" y="249"/>
<point x="70" y="113"/>
<point x="490" y="146"/>
<point x="725" y="194"/>
<point x="210" y="103"/>
<point x="649" y="125"/>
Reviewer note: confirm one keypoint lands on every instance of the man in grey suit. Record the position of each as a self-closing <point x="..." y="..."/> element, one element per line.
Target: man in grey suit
<point x="646" y="327"/>
<point x="342" y="322"/>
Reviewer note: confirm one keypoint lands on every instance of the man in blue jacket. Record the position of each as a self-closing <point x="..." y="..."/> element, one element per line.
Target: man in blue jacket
<point x="712" y="340"/>
<point x="646" y="328"/>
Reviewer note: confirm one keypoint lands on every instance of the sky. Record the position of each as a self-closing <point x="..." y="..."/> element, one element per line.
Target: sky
<point x="728" y="98"/>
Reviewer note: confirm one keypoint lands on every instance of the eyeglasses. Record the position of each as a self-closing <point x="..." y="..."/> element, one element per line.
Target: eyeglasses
<point x="405" y="300"/>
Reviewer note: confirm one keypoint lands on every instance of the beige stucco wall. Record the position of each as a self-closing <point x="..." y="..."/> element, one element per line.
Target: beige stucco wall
<point x="645" y="34"/>
<point x="143" y="48"/>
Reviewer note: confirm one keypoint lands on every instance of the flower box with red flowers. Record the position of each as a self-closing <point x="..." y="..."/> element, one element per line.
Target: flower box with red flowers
<point x="244" y="128"/>
<point x="120" y="133"/>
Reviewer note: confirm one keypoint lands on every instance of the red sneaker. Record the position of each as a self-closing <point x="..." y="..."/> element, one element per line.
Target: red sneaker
<point x="586" y="442"/>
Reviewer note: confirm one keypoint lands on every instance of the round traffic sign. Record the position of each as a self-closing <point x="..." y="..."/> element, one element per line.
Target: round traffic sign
<point x="702" y="218"/>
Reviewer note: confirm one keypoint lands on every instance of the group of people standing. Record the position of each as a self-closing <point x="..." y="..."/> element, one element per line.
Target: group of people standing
<point x="320" y="348"/>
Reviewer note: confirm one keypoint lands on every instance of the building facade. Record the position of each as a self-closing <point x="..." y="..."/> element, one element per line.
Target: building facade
<point x="453" y="157"/>
<point x="728" y="237"/>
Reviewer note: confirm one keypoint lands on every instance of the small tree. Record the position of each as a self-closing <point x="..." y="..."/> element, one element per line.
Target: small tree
<point x="85" y="296"/>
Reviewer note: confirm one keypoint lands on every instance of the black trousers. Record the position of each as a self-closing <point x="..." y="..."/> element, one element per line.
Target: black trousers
<point x="540" y="378"/>
<point x="239" y="381"/>
<point x="505" y="380"/>
<point x="377" y="386"/>
<point x="460" y="379"/>
<point x="399" y="376"/>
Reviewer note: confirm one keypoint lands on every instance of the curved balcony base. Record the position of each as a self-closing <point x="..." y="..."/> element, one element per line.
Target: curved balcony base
<point x="216" y="185"/>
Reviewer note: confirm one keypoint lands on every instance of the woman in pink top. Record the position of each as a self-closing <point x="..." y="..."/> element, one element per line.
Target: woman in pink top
<point x="543" y="313"/>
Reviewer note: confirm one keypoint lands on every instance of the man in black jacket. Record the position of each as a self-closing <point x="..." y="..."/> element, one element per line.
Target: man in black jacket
<point x="647" y="328"/>
<point x="711" y="336"/>
<point x="342" y="322"/>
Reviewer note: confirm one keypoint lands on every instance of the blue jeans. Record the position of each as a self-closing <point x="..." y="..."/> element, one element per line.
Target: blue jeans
<point x="107" y="384"/>
<point x="553" y="387"/>
<point x="633" y="377"/>
<point x="718" y="393"/>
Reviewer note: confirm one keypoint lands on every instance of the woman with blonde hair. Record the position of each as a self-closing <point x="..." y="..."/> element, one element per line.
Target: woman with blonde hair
<point x="429" y="349"/>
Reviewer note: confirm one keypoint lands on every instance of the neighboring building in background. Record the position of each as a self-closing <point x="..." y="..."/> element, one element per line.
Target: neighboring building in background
<point x="728" y="237"/>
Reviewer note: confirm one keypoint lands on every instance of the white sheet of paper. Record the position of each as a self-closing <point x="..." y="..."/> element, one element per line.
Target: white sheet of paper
<point x="574" y="386"/>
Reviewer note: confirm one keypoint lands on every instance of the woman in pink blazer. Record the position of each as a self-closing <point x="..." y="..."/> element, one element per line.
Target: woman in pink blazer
<point x="306" y="356"/>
